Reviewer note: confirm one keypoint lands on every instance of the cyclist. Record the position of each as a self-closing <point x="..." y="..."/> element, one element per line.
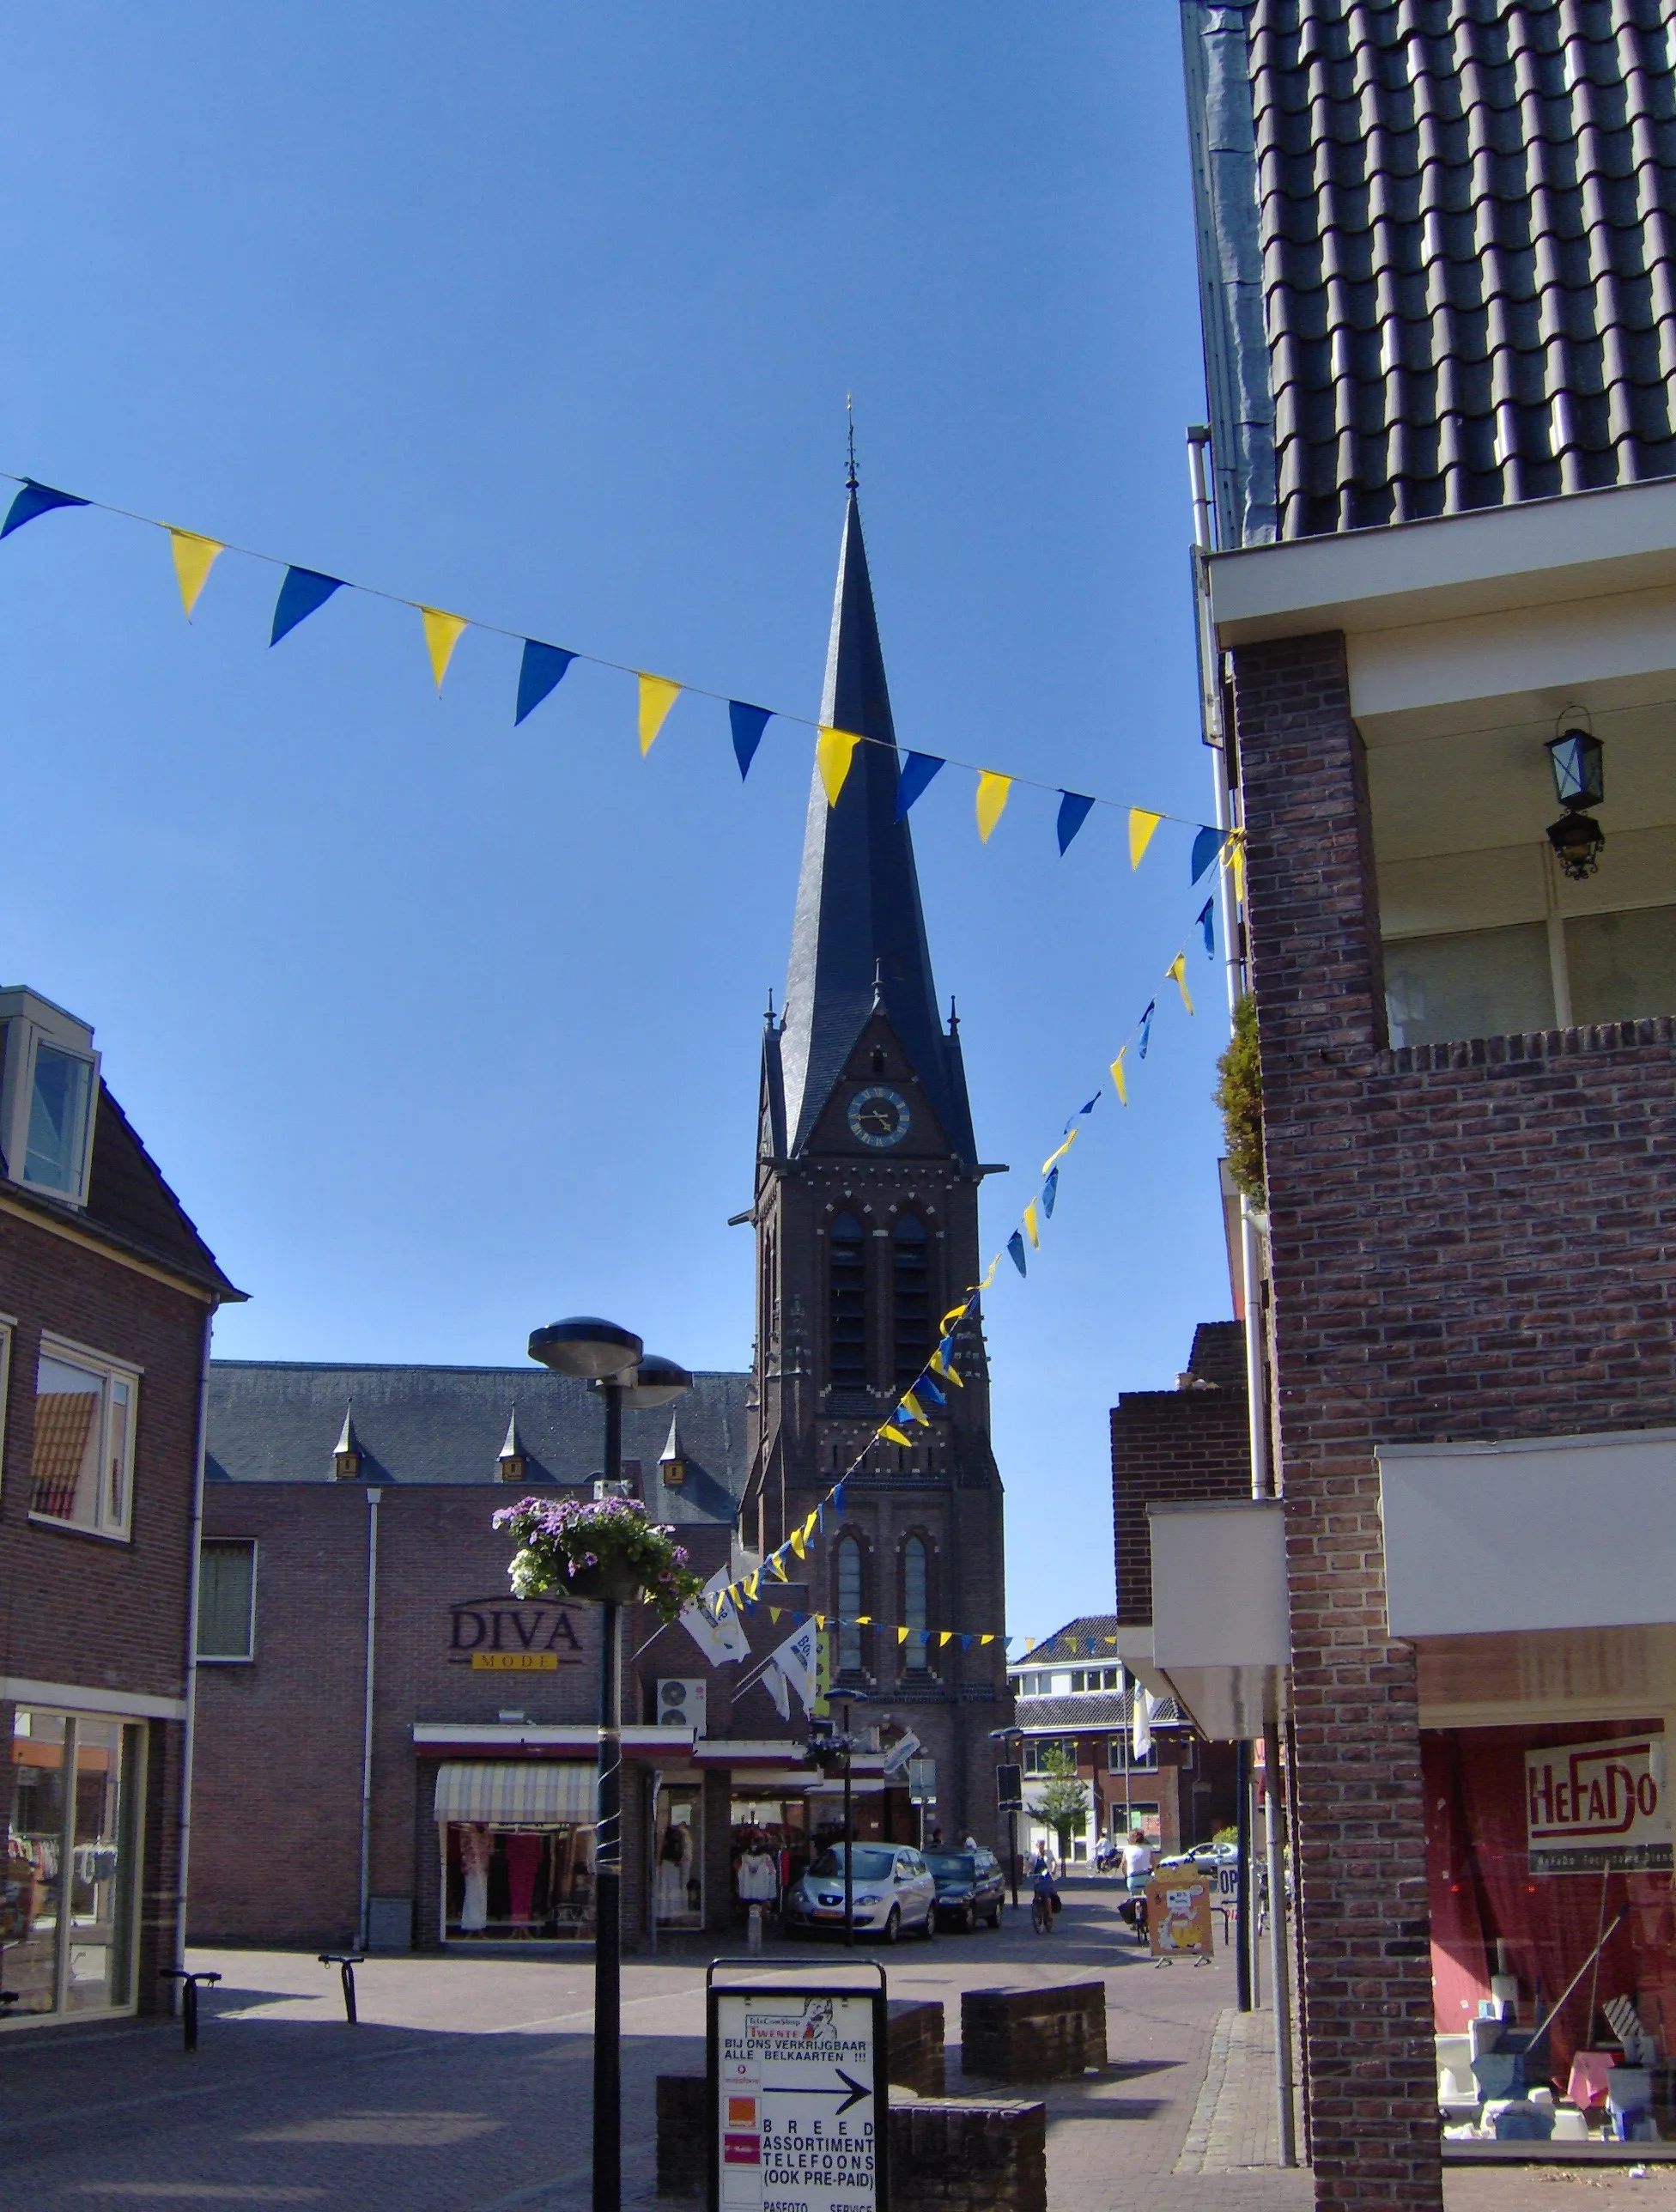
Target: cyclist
<point x="1136" y="1873"/>
<point x="1044" y="1897"/>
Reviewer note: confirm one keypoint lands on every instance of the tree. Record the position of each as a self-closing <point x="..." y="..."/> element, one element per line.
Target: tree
<point x="1240" y="1095"/>
<point x="1064" y="1798"/>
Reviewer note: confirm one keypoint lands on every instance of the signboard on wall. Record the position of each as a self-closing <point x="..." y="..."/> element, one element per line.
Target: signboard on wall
<point x="798" y="2098"/>
<point x="1595" y="1806"/>
<point x="512" y="1635"/>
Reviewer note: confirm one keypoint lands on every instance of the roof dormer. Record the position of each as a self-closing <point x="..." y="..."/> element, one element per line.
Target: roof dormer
<point x="48" y="1094"/>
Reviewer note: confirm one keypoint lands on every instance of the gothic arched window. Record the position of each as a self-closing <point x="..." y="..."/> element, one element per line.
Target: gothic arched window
<point x="910" y="1276"/>
<point x="915" y="1582"/>
<point x="849" y="1604"/>
<point x="846" y="1303"/>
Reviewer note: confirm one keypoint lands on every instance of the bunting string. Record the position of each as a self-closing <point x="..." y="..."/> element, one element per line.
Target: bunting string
<point x="940" y="1374"/>
<point x="543" y="666"/>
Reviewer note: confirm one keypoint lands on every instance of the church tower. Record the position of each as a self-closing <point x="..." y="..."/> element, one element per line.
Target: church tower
<point x="866" y="1219"/>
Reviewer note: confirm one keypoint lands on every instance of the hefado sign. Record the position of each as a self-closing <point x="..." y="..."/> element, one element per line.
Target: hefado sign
<point x="1590" y="1807"/>
<point x="798" y="2119"/>
<point x="499" y="1635"/>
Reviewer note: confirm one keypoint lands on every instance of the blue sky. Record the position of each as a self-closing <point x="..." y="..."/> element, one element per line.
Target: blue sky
<point x="547" y="314"/>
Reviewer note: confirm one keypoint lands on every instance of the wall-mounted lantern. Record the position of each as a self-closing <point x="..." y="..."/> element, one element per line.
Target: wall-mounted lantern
<point x="1577" y="758"/>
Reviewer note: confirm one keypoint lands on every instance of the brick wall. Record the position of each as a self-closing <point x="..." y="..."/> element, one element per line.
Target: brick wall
<point x="81" y="1609"/>
<point x="1175" y="1446"/>
<point x="1464" y="1240"/>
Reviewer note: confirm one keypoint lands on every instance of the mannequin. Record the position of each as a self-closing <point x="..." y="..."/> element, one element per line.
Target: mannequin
<point x="674" y="1865"/>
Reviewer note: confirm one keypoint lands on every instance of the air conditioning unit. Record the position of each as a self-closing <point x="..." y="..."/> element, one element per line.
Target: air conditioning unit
<point x="681" y="1702"/>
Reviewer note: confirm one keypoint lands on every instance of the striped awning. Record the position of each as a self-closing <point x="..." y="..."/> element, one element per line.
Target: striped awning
<point x="527" y="1794"/>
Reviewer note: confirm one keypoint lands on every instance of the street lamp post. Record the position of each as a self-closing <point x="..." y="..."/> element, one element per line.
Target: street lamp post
<point x="614" y="1361"/>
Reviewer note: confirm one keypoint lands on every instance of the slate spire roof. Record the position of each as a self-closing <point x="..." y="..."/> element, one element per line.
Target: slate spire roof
<point x="1438" y="244"/>
<point x="859" y="922"/>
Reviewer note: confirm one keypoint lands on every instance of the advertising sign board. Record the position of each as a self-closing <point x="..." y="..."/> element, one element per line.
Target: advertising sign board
<point x="798" y="2100"/>
<point x="1178" y="1914"/>
<point x="1599" y="1806"/>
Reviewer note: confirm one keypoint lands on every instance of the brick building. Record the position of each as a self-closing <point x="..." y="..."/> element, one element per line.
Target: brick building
<point x="1437" y="280"/>
<point x="1192" y="1441"/>
<point x="107" y="1297"/>
<point x="1075" y="1709"/>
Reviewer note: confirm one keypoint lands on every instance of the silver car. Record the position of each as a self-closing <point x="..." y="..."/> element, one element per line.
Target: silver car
<point x="893" y="1891"/>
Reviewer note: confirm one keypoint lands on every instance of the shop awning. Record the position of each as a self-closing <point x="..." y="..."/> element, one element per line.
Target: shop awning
<point x="529" y="1794"/>
<point x="1220" y="1632"/>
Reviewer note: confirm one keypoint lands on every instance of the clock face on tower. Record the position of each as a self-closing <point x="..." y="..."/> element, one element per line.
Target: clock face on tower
<point x="878" y="1117"/>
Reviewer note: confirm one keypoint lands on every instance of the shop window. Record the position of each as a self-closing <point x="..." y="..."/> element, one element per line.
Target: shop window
<point x="70" y="1889"/>
<point x="910" y="1279"/>
<point x="849" y="1604"/>
<point x="846" y="1304"/>
<point x="81" y="1472"/>
<point x="226" y="1598"/>
<point x="915" y="1577"/>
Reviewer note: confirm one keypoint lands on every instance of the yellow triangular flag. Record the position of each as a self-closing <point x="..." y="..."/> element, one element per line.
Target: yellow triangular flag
<point x="1049" y="1164"/>
<point x="1030" y="1228"/>
<point x="939" y="1365"/>
<point x="658" y="696"/>
<point x="833" y="750"/>
<point x="810" y="1527"/>
<point x="993" y="792"/>
<point x="1118" y="1078"/>
<point x="820" y="1622"/>
<point x="896" y="1436"/>
<point x="986" y="1639"/>
<point x="1178" y="969"/>
<point x="902" y="1636"/>
<point x="1141" y="826"/>
<point x="910" y="1404"/>
<point x="751" y="1581"/>
<point x="954" y="1314"/>
<point x="943" y="1638"/>
<point x="774" y="1614"/>
<point x="1235" y="861"/>
<point x="864" y="1621"/>
<point x="796" y="1542"/>
<point x="777" y="1565"/>
<point x="442" y="633"/>
<point x="194" y="557"/>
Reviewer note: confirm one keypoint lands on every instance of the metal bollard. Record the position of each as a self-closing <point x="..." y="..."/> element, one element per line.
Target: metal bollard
<point x="189" y="1983"/>
<point x="346" y="1962"/>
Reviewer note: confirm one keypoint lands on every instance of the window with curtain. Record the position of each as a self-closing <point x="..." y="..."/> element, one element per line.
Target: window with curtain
<point x="849" y="1604"/>
<point x="226" y="1598"/>
<point x="846" y="1303"/>
<point x="910" y="1252"/>
<point x="916" y="1580"/>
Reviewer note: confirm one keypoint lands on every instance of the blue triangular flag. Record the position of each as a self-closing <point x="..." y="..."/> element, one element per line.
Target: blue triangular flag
<point x="1146" y="1025"/>
<point x="966" y="1643"/>
<point x="1016" y="1250"/>
<point x="541" y="671"/>
<point x="927" y="1388"/>
<point x="1207" y="923"/>
<point x="303" y="589"/>
<point x="1074" y="811"/>
<point x="1050" y="1191"/>
<point x="918" y="770"/>
<point x="838" y="1499"/>
<point x="1091" y="1104"/>
<point x="748" y="724"/>
<point x="1206" y="846"/>
<point x="33" y="499"/>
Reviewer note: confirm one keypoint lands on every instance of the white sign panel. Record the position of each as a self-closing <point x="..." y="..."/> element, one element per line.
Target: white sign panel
<point x="1594" y="1806"/>
<point x="796" y="2124"/>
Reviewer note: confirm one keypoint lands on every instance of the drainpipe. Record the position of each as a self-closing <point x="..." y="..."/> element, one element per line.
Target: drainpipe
<point x="188" y="1744"/>
<point x="373" y="1498"/>
<point x="1229" y="816"/>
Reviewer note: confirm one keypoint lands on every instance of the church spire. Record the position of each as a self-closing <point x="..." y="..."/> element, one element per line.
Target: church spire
<point x="859" y="940"/>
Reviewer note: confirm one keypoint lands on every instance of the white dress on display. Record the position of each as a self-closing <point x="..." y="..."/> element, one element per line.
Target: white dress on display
<point x="674" y="1863"/>
<point x="475" y="1848"/>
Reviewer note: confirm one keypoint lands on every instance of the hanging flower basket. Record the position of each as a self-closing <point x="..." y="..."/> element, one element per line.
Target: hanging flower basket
<point x="604" y="1550"/>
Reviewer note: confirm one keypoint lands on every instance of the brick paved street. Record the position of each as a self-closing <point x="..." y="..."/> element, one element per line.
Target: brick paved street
<point x="466" y="2088"/>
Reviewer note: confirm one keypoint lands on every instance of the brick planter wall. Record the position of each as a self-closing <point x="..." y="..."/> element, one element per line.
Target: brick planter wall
<point x="1463" y="1241"/>
<point x="961" y="2157"/>
<point x="913" y="2045"/>
<point x="1033" y="2034"/>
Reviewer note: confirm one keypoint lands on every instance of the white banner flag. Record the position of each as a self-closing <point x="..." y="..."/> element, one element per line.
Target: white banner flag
<point x="775" y="1683"/>
<point x="719" y="1638"/>
<point x="796" y="1660"/>
<point x="1144" y="1704"/>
